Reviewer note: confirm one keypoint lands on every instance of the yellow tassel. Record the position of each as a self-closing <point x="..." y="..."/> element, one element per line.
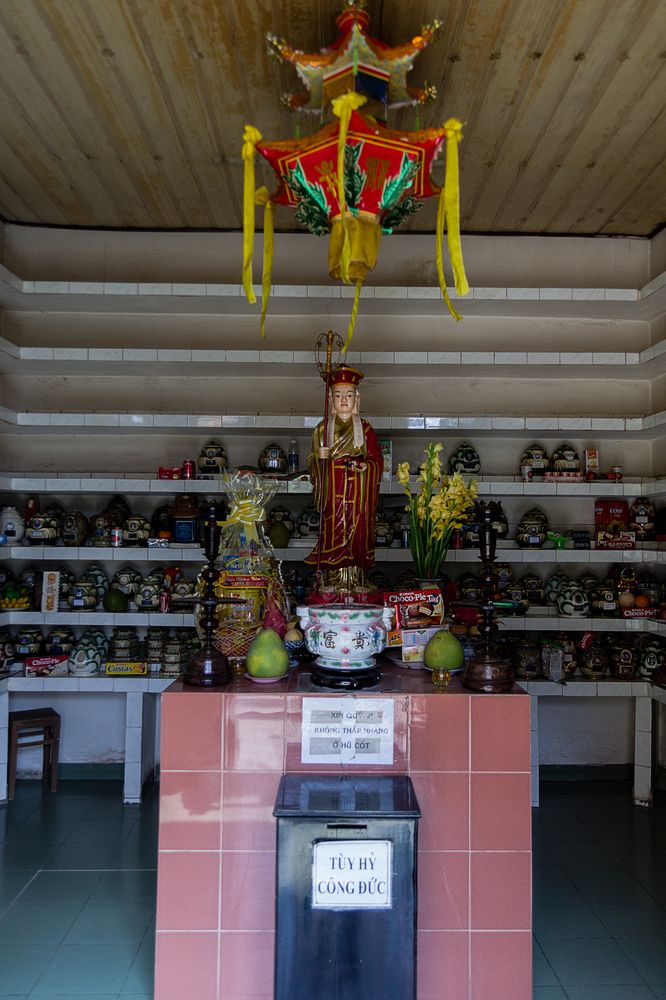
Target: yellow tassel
<point x="452" y="204"/>
<point x="262" y="197"/>
<point x="354" y="313"/>
<point x="439" y="236"/>
<point x="251" y="136"/>
<point x="342" y="109"/>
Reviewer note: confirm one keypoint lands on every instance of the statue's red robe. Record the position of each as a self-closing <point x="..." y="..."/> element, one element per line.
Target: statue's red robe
<point x="346" y="489"/>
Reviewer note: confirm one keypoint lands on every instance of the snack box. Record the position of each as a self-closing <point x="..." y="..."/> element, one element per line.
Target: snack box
<point x="126" y="668"/>
<point x="414" y="642"/>
<point x="639" y="612"/>
<point x="46" y="666"/>
<point x="414" y="609"/>
<point x="50" y="595"/>
<point x="611" y="525"/>
<point x="591" y="461"/>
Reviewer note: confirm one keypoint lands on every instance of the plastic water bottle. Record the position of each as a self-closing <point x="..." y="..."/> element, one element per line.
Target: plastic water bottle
<point x="293" y="456"/>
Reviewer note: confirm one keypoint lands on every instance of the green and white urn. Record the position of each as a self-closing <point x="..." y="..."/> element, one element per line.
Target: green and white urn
<point x="345" y="638"/>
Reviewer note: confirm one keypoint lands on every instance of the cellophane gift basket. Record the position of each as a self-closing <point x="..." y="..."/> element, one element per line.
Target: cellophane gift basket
<point x="247" y="568"/>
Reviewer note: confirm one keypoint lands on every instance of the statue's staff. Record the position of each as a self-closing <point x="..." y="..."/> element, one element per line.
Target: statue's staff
<point x="332" y="342"/>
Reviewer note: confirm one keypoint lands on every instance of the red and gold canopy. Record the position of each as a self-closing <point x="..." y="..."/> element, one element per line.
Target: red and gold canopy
<point x="381" y="164"/>
<point x="356" y="61"/>
<point x="355" y="178"/>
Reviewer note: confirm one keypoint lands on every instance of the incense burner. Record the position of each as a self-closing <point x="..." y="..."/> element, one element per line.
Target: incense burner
<point x="344" y="638"/>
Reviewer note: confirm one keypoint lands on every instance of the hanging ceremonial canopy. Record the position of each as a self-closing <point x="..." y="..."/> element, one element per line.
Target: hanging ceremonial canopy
<point x="356" y="61"/>
<point x="355" y="178"/>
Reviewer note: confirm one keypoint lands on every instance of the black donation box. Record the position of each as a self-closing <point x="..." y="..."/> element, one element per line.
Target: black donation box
<point x="346" y="887"/>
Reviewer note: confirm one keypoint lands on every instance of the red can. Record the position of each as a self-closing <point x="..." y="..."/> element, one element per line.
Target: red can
<point x="116" y="537"/>
<point x="165" y="601"/>
<point x="189" y="469"/>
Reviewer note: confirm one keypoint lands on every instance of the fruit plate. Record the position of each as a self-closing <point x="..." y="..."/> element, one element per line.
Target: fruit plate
<point x="265" y="680"/>
<point x="454" y="670"/>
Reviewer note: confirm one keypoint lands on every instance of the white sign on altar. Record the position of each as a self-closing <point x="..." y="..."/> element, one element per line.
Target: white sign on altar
<point x="347" y="730"/>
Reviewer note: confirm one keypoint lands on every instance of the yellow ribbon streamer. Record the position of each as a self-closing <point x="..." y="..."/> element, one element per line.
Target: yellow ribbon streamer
<point x="354" y="312"/>
<point x="342" y="109"/>
<point x="247" y="513"/>
<point x="439" y="260"/>
<point x="452" y="201"/>
<point x="262" y="197"/>
<point x="251" y="136"/>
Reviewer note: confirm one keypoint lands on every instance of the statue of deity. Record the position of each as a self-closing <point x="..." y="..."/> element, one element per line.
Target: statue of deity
<point x="346" y="466"/>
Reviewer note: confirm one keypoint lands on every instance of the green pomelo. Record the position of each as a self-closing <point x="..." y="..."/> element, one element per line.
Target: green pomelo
<point x="443" y="652"/>
<point x="115" y="601"/>
<point x="267" y="655"/>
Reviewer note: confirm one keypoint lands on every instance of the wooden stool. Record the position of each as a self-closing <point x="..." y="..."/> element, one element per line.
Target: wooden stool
<point x="36" y="727"/>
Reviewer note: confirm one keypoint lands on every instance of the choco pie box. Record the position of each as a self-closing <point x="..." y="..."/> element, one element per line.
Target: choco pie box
<point x="413" y="609"/>
<point x="611" y="525"/>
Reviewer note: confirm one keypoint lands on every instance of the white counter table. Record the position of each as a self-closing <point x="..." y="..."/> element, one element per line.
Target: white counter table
<point x="648" y="699"/>
<point x="141" y="696"/>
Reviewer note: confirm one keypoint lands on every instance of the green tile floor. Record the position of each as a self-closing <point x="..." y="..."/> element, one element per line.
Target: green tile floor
<point x="77" y="894"/>
<point x="599" y="894"/>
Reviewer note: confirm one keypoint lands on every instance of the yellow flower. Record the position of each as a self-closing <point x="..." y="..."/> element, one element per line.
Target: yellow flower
<point x="403" y="476"/>
<point x="440" y="505"/>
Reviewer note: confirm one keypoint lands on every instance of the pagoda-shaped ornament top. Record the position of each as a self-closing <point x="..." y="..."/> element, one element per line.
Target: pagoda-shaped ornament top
<point x="356" y="61"/>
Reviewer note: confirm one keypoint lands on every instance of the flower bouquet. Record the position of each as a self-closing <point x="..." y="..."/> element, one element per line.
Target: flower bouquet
<point x="435" y="511"/>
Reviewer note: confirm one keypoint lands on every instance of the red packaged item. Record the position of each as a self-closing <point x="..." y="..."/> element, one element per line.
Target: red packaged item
<point x="611" y="525"/>
<point x="420" y="608"/>
<point x="45" y="666"/>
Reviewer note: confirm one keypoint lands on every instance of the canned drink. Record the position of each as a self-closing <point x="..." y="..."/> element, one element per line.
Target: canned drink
<point x="617" y="470"/>
<point x="116" y="537"/>
<point x="189" y="469"/>
<point x="526" y="473"/>
<point x="165" y="601"/>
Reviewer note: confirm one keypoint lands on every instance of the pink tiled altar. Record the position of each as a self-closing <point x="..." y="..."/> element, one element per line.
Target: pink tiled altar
<point x="223" y="753"/>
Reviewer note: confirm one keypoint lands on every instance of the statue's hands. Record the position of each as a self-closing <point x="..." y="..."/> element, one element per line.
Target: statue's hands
<point x="324" y="452"/>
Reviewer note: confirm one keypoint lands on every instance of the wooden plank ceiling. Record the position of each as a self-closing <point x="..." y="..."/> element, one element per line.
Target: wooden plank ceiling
<point x="129" y="113"/>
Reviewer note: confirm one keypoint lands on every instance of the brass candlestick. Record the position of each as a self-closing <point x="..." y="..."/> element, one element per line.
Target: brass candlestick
<point x="487" y="671"/>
